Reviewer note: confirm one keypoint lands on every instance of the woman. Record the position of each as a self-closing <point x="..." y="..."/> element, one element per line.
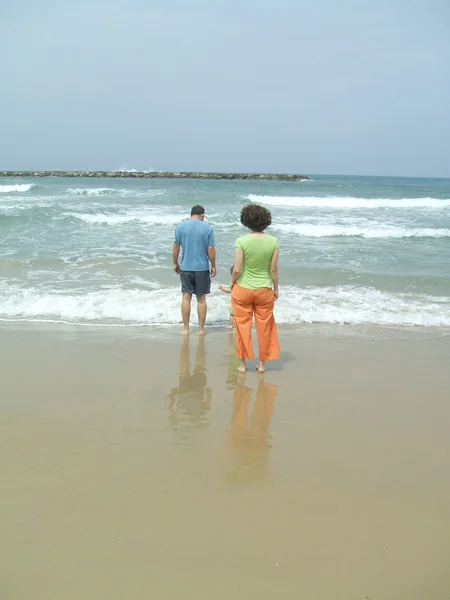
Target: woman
<point x="254" y="285"/>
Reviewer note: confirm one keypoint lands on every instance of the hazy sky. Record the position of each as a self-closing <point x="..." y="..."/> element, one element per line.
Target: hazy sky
<point x="356" y="87"/>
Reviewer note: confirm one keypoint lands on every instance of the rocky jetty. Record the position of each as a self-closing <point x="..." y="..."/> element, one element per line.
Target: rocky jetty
<point x="155" y="175"/>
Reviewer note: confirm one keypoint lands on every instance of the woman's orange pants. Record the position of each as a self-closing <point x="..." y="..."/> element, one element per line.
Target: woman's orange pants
<point x="260" y="302"/>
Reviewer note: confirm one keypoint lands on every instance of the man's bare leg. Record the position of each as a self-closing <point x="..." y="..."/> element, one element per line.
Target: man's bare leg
<point x="201" y="311"/>
<point x="186" y="311"/>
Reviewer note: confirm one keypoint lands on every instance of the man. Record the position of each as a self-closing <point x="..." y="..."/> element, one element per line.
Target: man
<point x="196" y="239"/>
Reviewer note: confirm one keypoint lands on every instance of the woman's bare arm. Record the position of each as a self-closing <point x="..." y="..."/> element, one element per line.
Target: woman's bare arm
<point x="238" y="263"/>
<point x="274" y="271"/>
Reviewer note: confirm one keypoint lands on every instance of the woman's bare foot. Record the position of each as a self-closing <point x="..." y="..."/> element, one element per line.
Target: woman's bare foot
<point x="261" y="368"/>
<point x="242" y="366"/>
<point x="201" y="332"/>
<point x="185" y="332"/>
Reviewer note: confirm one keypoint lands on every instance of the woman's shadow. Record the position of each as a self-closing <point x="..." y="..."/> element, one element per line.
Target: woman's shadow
<point x="190" y="402"/>
<point x="249" y="439"/>
<point x="232" y="362"/>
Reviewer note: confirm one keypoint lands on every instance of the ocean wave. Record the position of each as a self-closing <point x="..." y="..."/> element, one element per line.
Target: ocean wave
<point x="117" y="306"/>
<point x="115" y="219"/>
<point x="16" y="210"/>
<point x="121" y="192"/>
<point x="348" y="202"/>
<point x="357" y="305"/>
<point x="19" y="187"/>
<point x="91" y="191"/>
<point x="319" y="231"/>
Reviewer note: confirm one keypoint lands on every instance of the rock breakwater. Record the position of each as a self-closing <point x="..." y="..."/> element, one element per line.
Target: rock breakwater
<point x="155" y="175"/>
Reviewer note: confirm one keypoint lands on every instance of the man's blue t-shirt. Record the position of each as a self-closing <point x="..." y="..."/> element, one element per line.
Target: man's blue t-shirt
<point x="194" y="237"/>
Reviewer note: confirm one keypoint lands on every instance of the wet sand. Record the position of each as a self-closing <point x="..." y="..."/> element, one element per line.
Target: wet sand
<point x="138" y="467"/>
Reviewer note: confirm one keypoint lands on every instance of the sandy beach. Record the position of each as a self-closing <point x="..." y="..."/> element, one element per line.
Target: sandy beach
<point x="138" y="465"/>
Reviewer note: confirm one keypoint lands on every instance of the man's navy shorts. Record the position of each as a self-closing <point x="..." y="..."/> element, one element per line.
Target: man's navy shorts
<point x="195" y="282"/>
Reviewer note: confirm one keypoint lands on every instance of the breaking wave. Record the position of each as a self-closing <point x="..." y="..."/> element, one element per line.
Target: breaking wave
<point x="19" y="187"/>
<point x="319" y="231"/>
<point x="120" y="219"/>
<point x="122" y="192"/>
<point x="344" y="304"/>
<point x="348" y="202"/>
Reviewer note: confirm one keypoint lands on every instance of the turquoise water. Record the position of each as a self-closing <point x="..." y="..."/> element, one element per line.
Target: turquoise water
<point x="353" y="249"/>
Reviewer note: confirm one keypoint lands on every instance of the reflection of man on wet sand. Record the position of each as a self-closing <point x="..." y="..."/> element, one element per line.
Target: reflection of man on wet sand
<point x="249" y="437"/>
<point x="192" y="398"/>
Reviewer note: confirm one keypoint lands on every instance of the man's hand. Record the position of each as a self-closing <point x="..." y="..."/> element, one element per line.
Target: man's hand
<point x="176" y="268"/>
<point x="213" y="271"/>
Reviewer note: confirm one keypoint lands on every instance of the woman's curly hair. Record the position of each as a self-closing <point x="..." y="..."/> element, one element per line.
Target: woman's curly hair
<point x="256" y="217"/>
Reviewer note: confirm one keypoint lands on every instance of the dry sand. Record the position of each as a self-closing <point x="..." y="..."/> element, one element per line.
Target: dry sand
<point x="138" y="467"/>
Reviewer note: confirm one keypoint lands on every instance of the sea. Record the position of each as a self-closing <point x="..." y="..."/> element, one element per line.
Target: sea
<point x="353" y="250"/>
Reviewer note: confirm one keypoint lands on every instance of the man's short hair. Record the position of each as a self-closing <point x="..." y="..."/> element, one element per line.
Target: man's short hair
<point x="197" y="211"/>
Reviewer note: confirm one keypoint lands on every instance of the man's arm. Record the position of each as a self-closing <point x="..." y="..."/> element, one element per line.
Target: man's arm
<point x="176" y="250"/>
<point x="212" y="259"/>
<point x="212" y="252"/>
<point x="175" y="255"/>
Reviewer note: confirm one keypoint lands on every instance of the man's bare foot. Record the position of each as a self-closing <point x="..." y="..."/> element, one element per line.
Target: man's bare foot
<point x="201" y="332"/>
<point x="242" y="367"/>
<point x="260" y="368"/>
<point x="185" y="332"/>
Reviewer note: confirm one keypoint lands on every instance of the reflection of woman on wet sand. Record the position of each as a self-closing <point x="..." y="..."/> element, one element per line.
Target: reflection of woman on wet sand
<point x="192" y="397"/>
<point x="248" y="437"/>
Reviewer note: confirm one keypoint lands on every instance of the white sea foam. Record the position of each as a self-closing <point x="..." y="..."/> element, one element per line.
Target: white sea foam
<point x="319" y="231"/>
<point x="349" y="202"/>
<point x="20" y="187"/>
<point x="118" y="306"/>
<point x="121" y="219"/>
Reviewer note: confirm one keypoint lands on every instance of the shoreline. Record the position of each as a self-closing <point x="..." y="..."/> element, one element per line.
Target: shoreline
<point x="156" y="175"/>
<point x="153" y="332"/>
